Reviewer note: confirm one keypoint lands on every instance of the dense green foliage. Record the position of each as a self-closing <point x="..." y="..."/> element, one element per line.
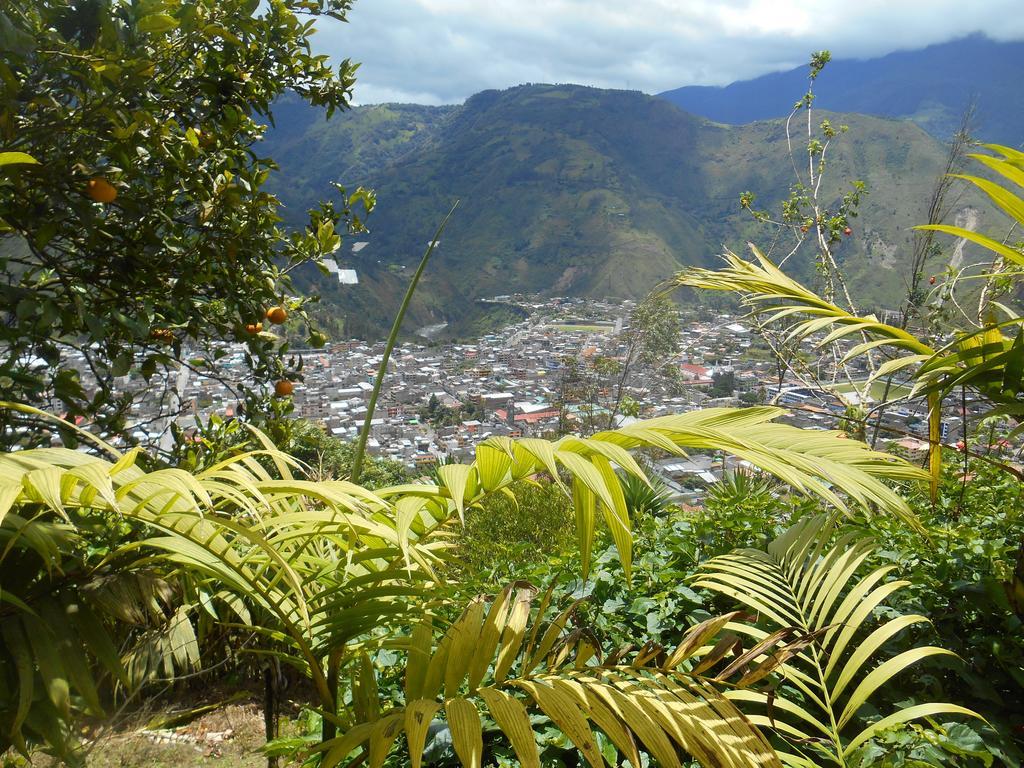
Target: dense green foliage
<point x="323" y="456"/>
<point x="968" y="578"/>
<point x="146" y="230"/>
<point x="331" y="458"/>
<point x="965" y="577"/>
<point x="514" y="538"/>
<point x="314" y="572"/>
<point x="960" y="575"/>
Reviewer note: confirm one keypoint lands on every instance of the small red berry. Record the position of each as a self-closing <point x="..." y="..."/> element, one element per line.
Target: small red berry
<point x="847" y="231"/>
<point x="931" y="280"/>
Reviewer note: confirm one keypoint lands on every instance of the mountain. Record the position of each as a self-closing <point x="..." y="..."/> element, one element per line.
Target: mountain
<point x="931" y="86"/>
<point x="579" y="191"/>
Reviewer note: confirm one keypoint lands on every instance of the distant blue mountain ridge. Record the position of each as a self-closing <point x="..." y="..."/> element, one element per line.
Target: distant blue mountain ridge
<point x="931" y="86"/>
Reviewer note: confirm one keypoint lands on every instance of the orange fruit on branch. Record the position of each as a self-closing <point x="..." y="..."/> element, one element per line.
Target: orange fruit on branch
<point x="277" y="315"/>
<point x="253" y="328"/>
<point x="101" y="190"/>
<point x="283" y="388"/>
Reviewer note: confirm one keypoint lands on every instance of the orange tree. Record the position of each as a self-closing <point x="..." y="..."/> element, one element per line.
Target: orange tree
<point x="138" y="230"/>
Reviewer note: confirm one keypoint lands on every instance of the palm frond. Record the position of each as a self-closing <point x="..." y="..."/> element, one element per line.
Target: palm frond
<point x="320" y="565"/>
<point x="645" y="497"/>
<point x="313" y="561"/>
<point x="495" y="662"/>
<point x="986" y="359"/>
<point x="737" y="486"/>
<point x="824" y="464"/>
<point x="819" y="635"/>
<point x="767" y="290"/>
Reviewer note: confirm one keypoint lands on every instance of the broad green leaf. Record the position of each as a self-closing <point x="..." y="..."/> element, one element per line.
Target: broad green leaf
<point x="383" y="735"/>
<point x="512" y="635"/>
<point x="157" y="23"/>
<point x="490" y="634"/>
<point x="464" y="641"/>
<point x="905" y="715"/>
<point x="338" y="749"/>
<point x="870" y="645"/>
<point x="493" y="463"/>
<point x="564" y="713"/>
<point x="455" y="478"/>
<point x="16" y="158"/>
<point x="882" y="674"/>
<point x="584" y="506"/>
<point x="1012" y="255"/>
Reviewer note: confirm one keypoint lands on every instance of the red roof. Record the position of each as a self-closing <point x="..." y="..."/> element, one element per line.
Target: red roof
<point x="528" y="418"/>
<point x="533" y="418"/>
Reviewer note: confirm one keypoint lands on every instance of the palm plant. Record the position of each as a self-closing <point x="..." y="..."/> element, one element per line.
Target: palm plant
<point x="496" y="659"/>
<point x="816" y="610"/>
<point x="319" y="569"/>
<point x="737" y="487"/>
<point x="981" y="357"/>
<point x="645" y="496"/>
<point x="307" y="566"/>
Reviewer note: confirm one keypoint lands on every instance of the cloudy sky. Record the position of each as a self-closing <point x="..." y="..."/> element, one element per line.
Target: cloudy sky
<point x="441" y="51"/>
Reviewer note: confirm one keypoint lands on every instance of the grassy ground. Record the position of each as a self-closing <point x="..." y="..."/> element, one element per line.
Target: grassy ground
<point x="877" y="390"/>
<point x="228" y="737"/>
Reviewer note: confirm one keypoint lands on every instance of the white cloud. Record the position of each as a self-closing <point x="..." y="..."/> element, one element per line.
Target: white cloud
<point x="441" y="51"/>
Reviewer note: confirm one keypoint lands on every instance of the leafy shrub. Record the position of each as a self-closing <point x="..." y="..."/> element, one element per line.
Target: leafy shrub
<point x="914" y="746"/>
<point x="331" y="458"/>
<point x="644" y="499"/>
<point x="508" y="539"/>
<point x="742" y="510"/>
<point x="657" y="604"/>
<point x="966" y="577"/>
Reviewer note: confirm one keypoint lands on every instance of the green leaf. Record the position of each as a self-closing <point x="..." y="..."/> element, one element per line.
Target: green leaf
<point x="907" y="714"/>
<point x="16" y="158"/>
<point x="1005" y="251"/>
<point x="814" y="607"/>
<point x="157" y="23"/>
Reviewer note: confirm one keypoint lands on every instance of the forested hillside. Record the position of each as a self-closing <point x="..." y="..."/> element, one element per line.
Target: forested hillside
<point x="581" y="191"/>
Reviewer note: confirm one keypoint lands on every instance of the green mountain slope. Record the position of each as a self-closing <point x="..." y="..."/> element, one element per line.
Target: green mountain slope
<point x="580" y="191"/>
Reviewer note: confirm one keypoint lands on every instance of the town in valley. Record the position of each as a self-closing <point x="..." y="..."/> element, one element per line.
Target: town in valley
<point x="566" y="368"/>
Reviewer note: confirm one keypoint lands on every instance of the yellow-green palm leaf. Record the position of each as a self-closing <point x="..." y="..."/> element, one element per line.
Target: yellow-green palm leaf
<point x="495" y="662"/>
<point x="809" y="586"/>
<point x="315" y="568"/>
